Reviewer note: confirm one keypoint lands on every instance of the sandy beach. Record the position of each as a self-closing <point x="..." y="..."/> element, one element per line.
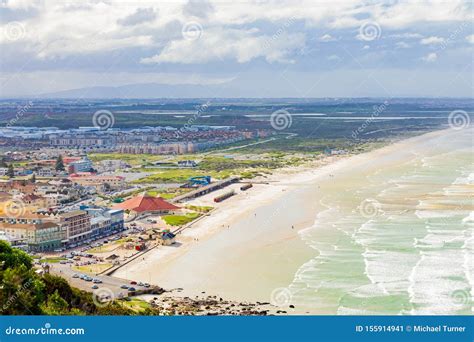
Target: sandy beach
<point x="256" y="246"/>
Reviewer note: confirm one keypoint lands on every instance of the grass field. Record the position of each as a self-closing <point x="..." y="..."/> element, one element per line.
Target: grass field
<point x="92" y="269"/>
<point x="135" y="304"/>
<point x="52" y="260"/>
<point x="202" y="209"/>
<point x="179" y="220"/>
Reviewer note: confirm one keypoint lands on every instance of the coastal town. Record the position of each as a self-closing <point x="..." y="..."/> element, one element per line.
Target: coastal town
<point x="83" y="217"/>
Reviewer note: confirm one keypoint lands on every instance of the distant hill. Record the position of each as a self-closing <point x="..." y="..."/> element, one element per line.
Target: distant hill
<point x="152" y="90"/>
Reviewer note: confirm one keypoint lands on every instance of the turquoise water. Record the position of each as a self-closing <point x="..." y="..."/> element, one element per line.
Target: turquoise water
<point x="395" y="238"/>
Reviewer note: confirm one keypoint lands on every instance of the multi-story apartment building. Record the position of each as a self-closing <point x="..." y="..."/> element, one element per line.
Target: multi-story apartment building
<point x="77" y="225"/>
<point x="36" y="232"/>
<point x="114" y="182"/>
<point x="47" y="232"/>
<point x="83" y="165"/>
<point x="105" y="221"/>
<point x="161" y="148"/>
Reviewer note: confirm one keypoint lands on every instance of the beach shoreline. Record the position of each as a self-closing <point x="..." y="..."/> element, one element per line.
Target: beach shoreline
<point x="235" y="214"/>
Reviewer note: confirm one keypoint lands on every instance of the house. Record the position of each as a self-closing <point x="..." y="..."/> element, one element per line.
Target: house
<point x="35" y="200"/>
<point x="167" y="238"/>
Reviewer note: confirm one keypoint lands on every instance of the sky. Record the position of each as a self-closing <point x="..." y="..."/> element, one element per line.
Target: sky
<point x="260" y="48"/>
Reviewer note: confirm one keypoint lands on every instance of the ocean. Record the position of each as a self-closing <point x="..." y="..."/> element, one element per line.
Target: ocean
<point x="394" y="237"/>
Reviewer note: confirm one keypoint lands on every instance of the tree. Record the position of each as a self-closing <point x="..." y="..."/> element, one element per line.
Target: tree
<point x="55" y="305"/>
<point x="59" y="164"/>
<point x="13" y="257"/>
<point x="10" y="171"/>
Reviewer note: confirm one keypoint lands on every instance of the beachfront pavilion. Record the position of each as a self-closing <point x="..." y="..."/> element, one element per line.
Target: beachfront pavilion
<point x="145" y="204"/>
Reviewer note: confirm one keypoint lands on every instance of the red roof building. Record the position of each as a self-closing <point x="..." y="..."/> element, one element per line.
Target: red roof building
<point x="145" y="203"/>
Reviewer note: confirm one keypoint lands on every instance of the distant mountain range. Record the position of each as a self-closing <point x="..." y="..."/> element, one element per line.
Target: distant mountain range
<point x="234" y="89"/>
<point x="153" y="90"/>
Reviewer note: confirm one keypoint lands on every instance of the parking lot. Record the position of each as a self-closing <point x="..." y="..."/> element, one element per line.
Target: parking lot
<point x="101" y="285"/>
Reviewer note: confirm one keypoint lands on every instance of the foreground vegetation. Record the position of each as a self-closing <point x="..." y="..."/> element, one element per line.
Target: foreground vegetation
<point x="23" y="292"/>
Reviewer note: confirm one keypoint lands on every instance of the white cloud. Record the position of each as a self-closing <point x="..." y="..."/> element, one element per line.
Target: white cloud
<point x="241" y="45"/>
<point x="402" y="45"/>
<point x="60" y="27"/>
<point x="327" y="38"/>
<point x="140" y="16"/>
<point x="430" y="58"/>
<point x="407" y="35"/>
<point x="432" y="40"/>
<point x="334" y="58"/>
<point x="470" y="38"/>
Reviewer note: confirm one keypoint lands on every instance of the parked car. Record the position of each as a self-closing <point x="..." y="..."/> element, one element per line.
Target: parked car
<point x="132" y="289"/>
<point x="75" y="275"/>
<point x="95" y="287"/>
<point x="133" y="282"/>
<point x="97" y="281"/>
<point x="146" y="285"/>
<point x="124" y="286"/>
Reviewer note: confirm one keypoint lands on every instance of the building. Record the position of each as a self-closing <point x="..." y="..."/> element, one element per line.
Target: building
<point x="38" y="237"/>
<point x="82" y="165"/>
<point x="77" y="225"/>
<point x="81" y="140"/>
<point x="99" y="182"/>
<point x="187" y="163"/>
<point x="35" y="201"/>
<point x="44" y="172"/>
<point x="111" y="165"/>
<point x="37" y="233"/>
<point x="160" y="148"/>
<point x="167" y="238"/>
<point x="105" y="221"/>
<point x="147" y="204"/>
